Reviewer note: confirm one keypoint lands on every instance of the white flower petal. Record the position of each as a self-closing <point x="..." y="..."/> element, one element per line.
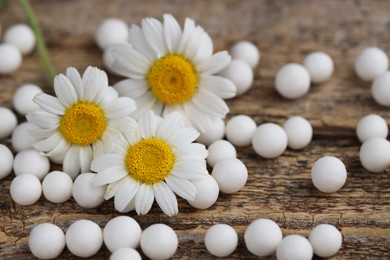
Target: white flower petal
<point x="214" y="64"/>
<point x="165" y="198"/>
<point x="140" y="43"/>
<point x="130" y="206"/>
<point x="125" y="193"/>
<point x="109" y="175"/>
<point x="170" y="124"/>
<point x="64" y="90"/>
<point x="193" y="150"/>
<point x="209" y="103"/>
<point x="97" y="148"/>
<point x="189" y="27"/>
<point x="194" y="43"/>
<point x="153" y="31"/>
<point x="49" y="103"/>
<point x="195" y="168"/>
<point x="40" y="133"/>
<point x="133" y="61"/>
<point x="112" y="189"/>
<point x="197" y="117"/>
<point x="95" y="83"/>
<point x="43" y="119"/>
<point x="126" y="125"/>
<point x="222" y="87"/>
<point x="144" y="104"/>
<point x="86" y="156"/>
<point x="132" y="88"/>
<point x="60" y="150"/>
<point x="106" y="161"/>
<point x="172" y="33"/>
<point x="148" y="124"/>
<point x="71" y="164"/>
<point x="75" y="78"/>
<point x="48" y="144"/>
<point x="183" y="136"/>
<point x="205" y="49"/>
<point x="188" y="175"/>
<point x="144" y="199"/>
<point x="119" y="108"/>
<point x="182" y="187"/>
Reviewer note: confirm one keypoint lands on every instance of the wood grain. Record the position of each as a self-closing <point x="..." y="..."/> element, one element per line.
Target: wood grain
<point x="279" y="189"/>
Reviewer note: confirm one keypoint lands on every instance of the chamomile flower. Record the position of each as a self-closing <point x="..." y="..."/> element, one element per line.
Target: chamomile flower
<point x="155" y="159"/>
<point x="170" y="69"/>
<point x="80" y="122"/>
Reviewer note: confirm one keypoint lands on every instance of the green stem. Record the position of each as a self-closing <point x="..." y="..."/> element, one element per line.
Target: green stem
<point x="41" y="47"/>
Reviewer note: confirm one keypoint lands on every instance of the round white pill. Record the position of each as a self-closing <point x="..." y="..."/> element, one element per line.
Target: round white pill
<point x="57" y="187"/>
<point x="215" y="132"/>
<point x="240" y="130"/>
<point x="371" y="126"/>
<point x="8" y="122"/>
<point x="375" y="154"/>
<point x="240" y="73"/>
<point x="84" y="238"/>
<point x="31" y="162"/>
<point x="25" y="189"/>
<point x="111" y="31"/>
<point x="294" y="247"/>
<point x="292" y="81"/>
<point x="262" y="237"/>
<point x="6" y="161"/>
<point x="328" y="174"/>
<point x="21" y="36"/>
<point x="23" y="98"/>
<point x="269" y="140"/>
<point x="326" y="240"/>
<point x="85" y="193"/>
<point x="380" y="89"/>
<point x="208" y="191"/>
<point x="121" y="231"/>
<point x="219" y="150"/>
<point x="159" y="241"/>
<point x="299" y="132"/>
<point x="221" y="240"/>
<point x="231" y="175"/>
<point x="319" y="65"/>
<point x="11" y="58"/>
<point x="46" y="241"/>
<point x="21" y="138"/>
<point x="125" y="253"/>
<point x="247" y="52"/>
<point x="370" y="63"/>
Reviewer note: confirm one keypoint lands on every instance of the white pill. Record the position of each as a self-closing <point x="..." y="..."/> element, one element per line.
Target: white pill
<point x="31" y="162"/>
<point x="380" y="89"/>
<point x="6" y="161"/>
<point x="371" y="126"/>
<point x="370" y="63"/>
<point x="292" y="81"/>
<point x="221" y="240"/>
<point x="247" y="52"/>
<point x="240" y="130"/>
<point x="21" y="36"/>
<point x="159" y="241"/>
<point x="46" y="241"/>
<point x="23" y="98"/>
<point x="326" y="240"/>
<point x="328" y="174"/>
<point x="294" y="247"/>
<point x="57" y="187"/>
<point x="111" y="31"/>
<point x="231" y="175"/>
<point x="8" y="122"/>
<point x="240" y="73"/>
<point x="25" y="189"/>
<point x="299" y="132"/>
<point x="84" y="238"/>
<point x="375" y="154"/>
<point x="269" y="140"/>
<point x="219" y="150"/>
<point x="21" y="138"/>
<point x="121" y="231"/>
<point x="208" y="191"/>
<point x="85" y="193"/>
<point x="215" y="132"/>
<point x="125" y="253"/>
<point x="262" y="237"/>
<point x="11" y="58"/>
<point x="319" y="65"/>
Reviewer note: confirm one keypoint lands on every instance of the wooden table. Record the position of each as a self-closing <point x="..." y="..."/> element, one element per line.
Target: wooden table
<point x="279" y="189"/>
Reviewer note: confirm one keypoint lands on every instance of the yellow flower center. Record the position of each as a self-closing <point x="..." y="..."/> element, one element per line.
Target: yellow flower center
<point x="172" y="79"/>
<point x="83" y="123"/>
<point x="150" y="160"/>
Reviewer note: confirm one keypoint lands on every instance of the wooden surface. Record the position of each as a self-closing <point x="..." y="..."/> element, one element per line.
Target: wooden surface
<point x="279" y="189"/>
